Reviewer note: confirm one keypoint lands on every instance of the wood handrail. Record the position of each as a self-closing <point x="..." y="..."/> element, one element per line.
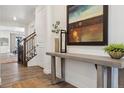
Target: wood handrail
<point x="30" y="38"/>
<point x="30" y="35"/>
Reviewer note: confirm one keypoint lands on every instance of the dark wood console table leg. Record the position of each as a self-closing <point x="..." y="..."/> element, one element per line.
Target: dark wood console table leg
<point x="62" y="69"/>
<point x="112" y="77"/>
<point x="108" y="77"/>
<point x="54" y="80"/>
<point x="53" y="69"/>
<point x="100" y="76"/>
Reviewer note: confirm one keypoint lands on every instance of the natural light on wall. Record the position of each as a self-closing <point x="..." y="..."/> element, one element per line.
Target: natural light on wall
<point x="14" y="29"/>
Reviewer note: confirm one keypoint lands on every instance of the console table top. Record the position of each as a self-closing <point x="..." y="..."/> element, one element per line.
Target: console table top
<point x="94" y="59"/>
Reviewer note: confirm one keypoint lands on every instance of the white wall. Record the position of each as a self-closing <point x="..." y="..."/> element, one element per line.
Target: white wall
<point x="10" y="23"/>
<point x="5" y="33"/>
<point x="41" y="32"/>
<point x="5" y="49"/>
<point x="78" y="73"/>
<point x="84" y="74"/>
<point x="29" y="29"/>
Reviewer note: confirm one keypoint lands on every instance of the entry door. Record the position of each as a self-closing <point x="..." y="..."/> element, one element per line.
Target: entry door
<point x="41" y="35"/>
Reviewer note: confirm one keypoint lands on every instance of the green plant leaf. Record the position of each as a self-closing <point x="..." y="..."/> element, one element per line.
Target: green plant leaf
<point x="114" y="47"/>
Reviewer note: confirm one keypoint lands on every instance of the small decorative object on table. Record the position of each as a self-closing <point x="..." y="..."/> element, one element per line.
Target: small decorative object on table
<point x="62" y="43"/>
<point x="63" y="46"/>
<point x="116" y="51"/>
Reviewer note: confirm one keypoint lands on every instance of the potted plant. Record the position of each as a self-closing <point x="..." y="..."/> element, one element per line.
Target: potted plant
<point x="116" y="51"/>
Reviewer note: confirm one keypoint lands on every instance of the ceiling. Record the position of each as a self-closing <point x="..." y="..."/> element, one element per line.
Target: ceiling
<point x="23" y="13"/>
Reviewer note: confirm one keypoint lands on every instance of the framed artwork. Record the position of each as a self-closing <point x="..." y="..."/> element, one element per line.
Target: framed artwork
<point x="87" y="24"/>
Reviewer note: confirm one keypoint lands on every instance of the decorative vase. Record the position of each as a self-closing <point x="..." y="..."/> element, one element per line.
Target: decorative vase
<point x="116" y="55"/>
<point x="57" y="45"/>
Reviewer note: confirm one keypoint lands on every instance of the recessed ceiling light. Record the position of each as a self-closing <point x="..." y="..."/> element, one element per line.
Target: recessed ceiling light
<point x="14" y="18"/>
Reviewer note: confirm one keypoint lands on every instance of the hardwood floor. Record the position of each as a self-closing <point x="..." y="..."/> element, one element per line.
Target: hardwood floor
<point x="8" y="58"/>
<point x="17" y="76"/>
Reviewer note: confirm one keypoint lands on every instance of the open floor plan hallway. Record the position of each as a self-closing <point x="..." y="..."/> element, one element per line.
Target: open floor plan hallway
<point x="18" y="76"/>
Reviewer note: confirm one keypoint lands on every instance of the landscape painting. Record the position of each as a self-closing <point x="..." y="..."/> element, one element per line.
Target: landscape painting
<point x="87" y="24"/>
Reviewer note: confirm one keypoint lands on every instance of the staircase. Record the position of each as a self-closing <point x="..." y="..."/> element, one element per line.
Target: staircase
<point x="27" y="49"/>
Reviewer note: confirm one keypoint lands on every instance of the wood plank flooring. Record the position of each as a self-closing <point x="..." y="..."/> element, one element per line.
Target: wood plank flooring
<point x="18" y="76"/>
<point x="8" y="58"/>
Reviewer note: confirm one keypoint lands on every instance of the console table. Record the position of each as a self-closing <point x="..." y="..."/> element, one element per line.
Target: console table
<point x="103" y="63"/>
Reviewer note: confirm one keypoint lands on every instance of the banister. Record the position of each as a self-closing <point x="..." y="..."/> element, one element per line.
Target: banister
<point x="29" y="48"/>
<point x="30" y="35"/>
<point x="34" y="33"/>
<point x="27" y="39"/>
